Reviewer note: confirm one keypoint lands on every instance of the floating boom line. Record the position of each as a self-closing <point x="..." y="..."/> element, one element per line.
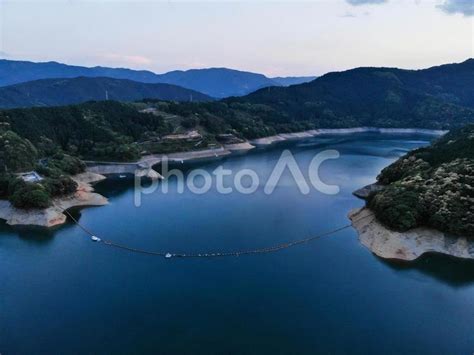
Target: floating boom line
<point x="265" y="250"/>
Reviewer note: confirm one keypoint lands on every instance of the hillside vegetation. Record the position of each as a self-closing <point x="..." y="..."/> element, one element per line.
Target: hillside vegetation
<point x="431" y="186"/>
<point x="18" y="154"/>
<point x="439" y="97"/>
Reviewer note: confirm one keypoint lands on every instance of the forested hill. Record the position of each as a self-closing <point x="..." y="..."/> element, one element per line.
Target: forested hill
<point x="438" y="97"/>
<point x="58" y="92"/>
<point x="431" y="186"/>
<point x="450" y="82"/>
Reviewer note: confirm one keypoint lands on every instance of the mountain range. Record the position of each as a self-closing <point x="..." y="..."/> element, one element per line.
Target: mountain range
<point x="214" y="82"/>
<point x="57" y="92"/>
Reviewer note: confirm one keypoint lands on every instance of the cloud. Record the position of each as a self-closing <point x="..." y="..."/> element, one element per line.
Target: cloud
<point x="366" y="2"/>
<point x="127" y="60"/>
<point x="348" y="15"/>
<point x="465" y="7"/>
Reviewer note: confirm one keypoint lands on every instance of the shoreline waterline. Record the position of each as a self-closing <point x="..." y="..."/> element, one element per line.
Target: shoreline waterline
<point x="54" y="215"/>
<point x="111" y="169"/>
<point x="265" y="141"/>
<point x="406" y="246"/>
<point x="333" y="131"/>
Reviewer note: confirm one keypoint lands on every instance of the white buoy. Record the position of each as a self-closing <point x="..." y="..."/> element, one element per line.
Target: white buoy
<point x="95" y="239"/>
<point x="168" y="255"/>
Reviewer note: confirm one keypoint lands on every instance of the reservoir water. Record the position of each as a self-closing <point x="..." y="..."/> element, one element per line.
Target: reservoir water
<point x="62" y="293"/>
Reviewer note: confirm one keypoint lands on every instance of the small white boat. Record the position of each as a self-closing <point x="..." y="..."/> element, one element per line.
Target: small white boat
<point x="168" y="255"/>
<point x="122" y="176"/>
<point x="95" y="239"/>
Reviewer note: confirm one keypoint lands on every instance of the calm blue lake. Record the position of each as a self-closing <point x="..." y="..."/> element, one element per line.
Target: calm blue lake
<point x="62" y="293"/>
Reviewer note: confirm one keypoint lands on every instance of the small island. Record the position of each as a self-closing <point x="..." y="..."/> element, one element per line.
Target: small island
<point x="424" y="202"/>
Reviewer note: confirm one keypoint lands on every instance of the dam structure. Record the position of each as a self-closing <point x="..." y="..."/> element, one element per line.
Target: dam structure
<point x="140" y="169"/>
<point x="144" y="167"/>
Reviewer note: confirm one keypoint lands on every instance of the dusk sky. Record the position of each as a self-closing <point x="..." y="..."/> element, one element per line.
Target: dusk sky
<point x="285" y="38"/>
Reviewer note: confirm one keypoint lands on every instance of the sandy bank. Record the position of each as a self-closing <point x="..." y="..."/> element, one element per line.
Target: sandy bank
<point x="239" y="146"/>
<point x="409" y="245"/>
<point x="198" y="154"/>
<point x="144" y="165"/>
<point x="52" y="216"/>
<point x="317" y="132"/>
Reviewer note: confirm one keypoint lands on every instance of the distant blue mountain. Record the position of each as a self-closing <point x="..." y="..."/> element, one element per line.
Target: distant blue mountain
<point x="218" y="82"/>
<point x="214" y="82"/>
<point x="57" y="92"/>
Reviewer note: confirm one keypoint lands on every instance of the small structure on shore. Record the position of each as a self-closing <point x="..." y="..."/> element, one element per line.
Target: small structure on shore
<point x="188" y="136"/>
<point x="149" y="110"/>
<point x="30" y="176"/>
<point x="229" y="138"/>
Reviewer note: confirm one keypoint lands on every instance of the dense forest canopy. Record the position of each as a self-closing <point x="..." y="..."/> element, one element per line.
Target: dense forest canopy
<point x="431" y="186"/>
<point x="439" y="97"/>
<point x="18" y="154"/>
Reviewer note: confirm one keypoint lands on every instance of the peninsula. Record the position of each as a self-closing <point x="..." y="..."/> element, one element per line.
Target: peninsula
<point x="424" y="202"/>
<point x="53" y="215"/>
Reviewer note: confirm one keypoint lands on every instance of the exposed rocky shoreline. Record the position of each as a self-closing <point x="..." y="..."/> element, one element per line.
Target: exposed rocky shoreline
<point x="53" y="216"/>
<point x="144" y="165"/>
<point x="317" y="132"/>
<point x="409" y="245"/>
<point x="85" y="196"/>
<point x="365" y="191"/>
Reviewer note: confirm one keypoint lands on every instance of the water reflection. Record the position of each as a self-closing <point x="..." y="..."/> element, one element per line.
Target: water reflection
<point x="38" y="235"/>
<point x="114" y="187"/>
<point x="29" y="234"/>
<point x="452" y="271"/>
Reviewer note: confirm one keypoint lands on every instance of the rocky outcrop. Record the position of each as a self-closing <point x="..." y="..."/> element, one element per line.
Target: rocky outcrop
<point x="409" y="245"/>
<point x="364" y="192"/>
<point x="149" y="173"/>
